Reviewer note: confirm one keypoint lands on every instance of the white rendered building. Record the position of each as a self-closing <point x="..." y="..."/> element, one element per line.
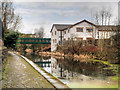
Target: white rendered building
<point x="83" y="30"/>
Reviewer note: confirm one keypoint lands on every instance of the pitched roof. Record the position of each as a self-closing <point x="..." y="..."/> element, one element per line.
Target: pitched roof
<point x="83" y="21"/>
<point x="107" y="27"/>
<point x="60" y="27"/>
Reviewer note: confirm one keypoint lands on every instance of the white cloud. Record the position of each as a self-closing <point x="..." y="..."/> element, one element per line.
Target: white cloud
<point x="66" y="0"/>
<point x="42" y="14"/>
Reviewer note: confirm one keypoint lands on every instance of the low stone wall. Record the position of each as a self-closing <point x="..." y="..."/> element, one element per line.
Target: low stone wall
<point x="50" y="78"/>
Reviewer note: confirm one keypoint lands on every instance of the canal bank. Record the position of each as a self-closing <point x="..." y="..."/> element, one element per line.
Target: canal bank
<point x="76" y="74"/>
<point x="22" y="73"/>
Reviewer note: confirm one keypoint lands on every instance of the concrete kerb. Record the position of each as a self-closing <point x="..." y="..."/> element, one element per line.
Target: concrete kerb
<point x="50" y="78"/>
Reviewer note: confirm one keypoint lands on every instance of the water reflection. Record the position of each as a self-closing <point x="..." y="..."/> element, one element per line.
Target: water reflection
<point x="42" y="61"/>
<point x="68" y="70"/>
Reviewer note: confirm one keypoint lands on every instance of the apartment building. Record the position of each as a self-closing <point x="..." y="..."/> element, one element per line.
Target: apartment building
<point x="83" y="30"/>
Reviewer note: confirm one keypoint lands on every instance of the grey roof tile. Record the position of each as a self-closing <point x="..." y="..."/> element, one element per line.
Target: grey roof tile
<point x="62" y="26"/>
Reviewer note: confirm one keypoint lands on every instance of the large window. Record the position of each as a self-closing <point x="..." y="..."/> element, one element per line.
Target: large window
<point x="89" y="30"/>
<point x="79" y="29"/>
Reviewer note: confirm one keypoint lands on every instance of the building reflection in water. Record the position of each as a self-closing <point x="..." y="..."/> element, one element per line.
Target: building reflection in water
<point x="67" y="68"/>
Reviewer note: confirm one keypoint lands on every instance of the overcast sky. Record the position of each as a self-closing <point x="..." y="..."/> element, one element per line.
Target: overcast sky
<point x="45" y="14"/>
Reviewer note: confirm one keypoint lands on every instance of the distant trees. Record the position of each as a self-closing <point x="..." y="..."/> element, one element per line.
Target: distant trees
<point x="39" y="32"/>
<point x="103" y="17"/>
<point x="107" y="44"/>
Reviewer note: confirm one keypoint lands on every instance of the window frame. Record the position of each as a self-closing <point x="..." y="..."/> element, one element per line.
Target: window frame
<point x="79" y="29"/>
<point x="55" y="40"/>
<point x="68" y="31"/>
<point x="55" y="32"/>
<point x="88" y="29"/>
<point x="64" y="32"/>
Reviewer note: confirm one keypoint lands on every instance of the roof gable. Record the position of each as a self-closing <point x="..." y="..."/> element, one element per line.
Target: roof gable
<point x="60" y="27"/>
<point x="83" y="21"/>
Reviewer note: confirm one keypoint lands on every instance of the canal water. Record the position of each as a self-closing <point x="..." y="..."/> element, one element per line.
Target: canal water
<point x="76" y="74"/>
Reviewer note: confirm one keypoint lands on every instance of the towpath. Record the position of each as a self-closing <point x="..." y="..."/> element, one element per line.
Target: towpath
<point x="19" y="74"/>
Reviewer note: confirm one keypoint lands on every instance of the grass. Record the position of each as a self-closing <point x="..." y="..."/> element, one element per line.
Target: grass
<point x="4" y="69"/>
<point x="104" y="62"/>
<point x="82" y="85"/>
<point x="113" y="67"/>
<point x="115" y="78"/>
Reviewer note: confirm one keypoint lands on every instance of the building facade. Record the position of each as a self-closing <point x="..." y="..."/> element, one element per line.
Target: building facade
<point x="83" y="30"/>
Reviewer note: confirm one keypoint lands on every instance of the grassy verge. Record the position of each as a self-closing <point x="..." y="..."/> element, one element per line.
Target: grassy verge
<point x="4" y="69"/>
<point x="82" y="85"/>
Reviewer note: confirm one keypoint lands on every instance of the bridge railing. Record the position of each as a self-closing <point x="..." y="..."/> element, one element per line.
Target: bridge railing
<point x="35" y="40"/>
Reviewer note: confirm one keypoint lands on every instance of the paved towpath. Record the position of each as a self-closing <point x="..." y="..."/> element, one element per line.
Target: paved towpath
<point x="19" y="74"/>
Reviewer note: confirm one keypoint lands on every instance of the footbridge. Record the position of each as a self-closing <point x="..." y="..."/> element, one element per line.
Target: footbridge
<point x="35" y="40"/>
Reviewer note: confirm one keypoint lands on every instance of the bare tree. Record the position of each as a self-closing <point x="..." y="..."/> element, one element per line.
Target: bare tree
<point x="106" y="42"/>
<point x="39" y="33"/>
<point x="103" y="19"/>
<point x="9" y="19"/>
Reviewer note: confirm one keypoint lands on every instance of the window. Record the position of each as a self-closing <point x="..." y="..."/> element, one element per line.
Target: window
<point x="96" y="42"/>
<point x="55" y="32"/>
<point x="55" y="41"/>
<point x="89" y="40"/>
<point x="89" y="29"/>
<point x="68" y="39"/>
<point x="59" y="43"/>
<point x="68" y="31"/>
<point x="64" y="32"/>
<point x="98" y="35"/>
<point x="79" y="29"/>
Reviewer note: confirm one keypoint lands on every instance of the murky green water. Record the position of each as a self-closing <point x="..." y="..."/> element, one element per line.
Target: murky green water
<point x="77" y="74"/>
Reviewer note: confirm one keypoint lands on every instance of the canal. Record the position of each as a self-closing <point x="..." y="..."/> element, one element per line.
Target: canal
<point x="77" y="74"/>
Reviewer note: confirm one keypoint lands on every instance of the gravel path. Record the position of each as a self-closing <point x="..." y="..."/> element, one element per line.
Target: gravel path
<point x="19" y="74"/>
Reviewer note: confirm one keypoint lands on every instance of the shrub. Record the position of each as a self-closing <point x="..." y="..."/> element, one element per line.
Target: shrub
<point x="11" y="39"/>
